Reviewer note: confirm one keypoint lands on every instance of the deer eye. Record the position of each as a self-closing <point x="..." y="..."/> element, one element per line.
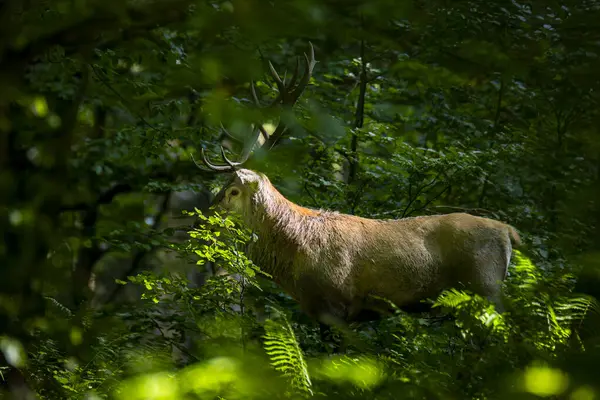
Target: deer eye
<point x="234" y="192"/>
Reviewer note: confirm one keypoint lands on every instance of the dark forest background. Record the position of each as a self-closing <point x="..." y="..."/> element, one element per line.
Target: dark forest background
<point x="109" y="290"/>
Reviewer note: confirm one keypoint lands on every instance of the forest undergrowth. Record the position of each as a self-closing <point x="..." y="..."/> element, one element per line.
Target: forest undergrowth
<point x="239" y="336"/>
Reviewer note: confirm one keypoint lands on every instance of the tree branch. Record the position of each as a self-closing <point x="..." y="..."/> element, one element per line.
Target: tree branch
<point x="140" y="255"/>
<point x="412" y="199"/>
<point x="310" y="194"/>
<point x="359" y="114"/>
<point x="437" y="196"/>
<point x="485" y="186"/>
<point x="89" y="256"/>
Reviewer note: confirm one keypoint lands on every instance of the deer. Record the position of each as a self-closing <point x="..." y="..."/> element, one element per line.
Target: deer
<point x="344" y="268"/>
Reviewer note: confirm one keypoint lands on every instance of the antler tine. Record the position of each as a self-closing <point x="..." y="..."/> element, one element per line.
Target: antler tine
<point x="230" y="163"/>
<point x="281" y="88"/>
<point x="230" y="167"/>
<point x="210" y="165"/>
<point x="250" y="145"/>
<point x="310" y="65"/>
<point x="254" y="96"/>
<point x="245" y="152"/>
<point x="276" y="78"/>
<point x="229" y="135"/>
<point x="195" y="162"/>
<point x="264" y="132"/>
<point x="296" y="71"/>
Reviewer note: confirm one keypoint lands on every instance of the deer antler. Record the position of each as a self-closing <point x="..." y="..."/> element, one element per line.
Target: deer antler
<point x="288" y="95"/>
<point x="231" y="166"/>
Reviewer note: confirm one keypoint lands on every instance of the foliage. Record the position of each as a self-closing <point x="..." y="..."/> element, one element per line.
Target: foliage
<point x="108" y="290"/>
<point x="466" y="355"/>
<point x="282" y="347"/>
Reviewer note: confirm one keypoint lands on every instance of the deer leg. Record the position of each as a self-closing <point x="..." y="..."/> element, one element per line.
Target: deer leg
<point x="328" y="315"/>
<point x="488" y="274"/>
<point x="324" y="332"/>
<point x="496" y="298"/>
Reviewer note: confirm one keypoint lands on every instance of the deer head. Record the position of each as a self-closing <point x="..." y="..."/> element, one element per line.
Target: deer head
<point x="236" y="194"/>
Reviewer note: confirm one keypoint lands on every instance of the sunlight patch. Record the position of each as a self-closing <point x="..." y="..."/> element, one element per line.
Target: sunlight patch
<point x="545" y="381"/>
<point x="364" y="372"/>
<point x="157" y="386"/>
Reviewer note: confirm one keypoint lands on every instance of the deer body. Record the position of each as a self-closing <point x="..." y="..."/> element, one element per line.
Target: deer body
<point x="337" y="265"/>
<point x="333" y="264"/>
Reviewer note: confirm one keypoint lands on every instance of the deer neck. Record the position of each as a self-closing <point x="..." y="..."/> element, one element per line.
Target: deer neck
<point x="283" y="232"/>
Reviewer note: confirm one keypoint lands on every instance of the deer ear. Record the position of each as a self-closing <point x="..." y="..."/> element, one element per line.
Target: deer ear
<point x="249" y="179"/>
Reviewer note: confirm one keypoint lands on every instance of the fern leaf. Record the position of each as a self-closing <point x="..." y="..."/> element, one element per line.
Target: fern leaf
<point x="451" y="298"/>
<point x="284" y="352"/>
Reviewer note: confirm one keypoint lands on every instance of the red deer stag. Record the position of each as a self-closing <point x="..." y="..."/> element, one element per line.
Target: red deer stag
<point x="336" y="265"/>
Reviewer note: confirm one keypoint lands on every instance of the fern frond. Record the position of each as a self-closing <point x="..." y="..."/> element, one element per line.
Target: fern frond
<point x="581" y="312"/>
<point x="282" y="347"/>
<point x="452" y="298"/>
<point x="64" y="309"/>
<point x="576" y="308"/>
<point x="527" y="273"/>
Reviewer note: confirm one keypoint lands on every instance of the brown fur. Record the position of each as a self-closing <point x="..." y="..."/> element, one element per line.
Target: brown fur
<point x="333" y="263"/>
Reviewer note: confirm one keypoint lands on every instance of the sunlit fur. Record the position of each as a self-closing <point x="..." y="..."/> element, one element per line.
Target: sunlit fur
<point x="332" y="263"/>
